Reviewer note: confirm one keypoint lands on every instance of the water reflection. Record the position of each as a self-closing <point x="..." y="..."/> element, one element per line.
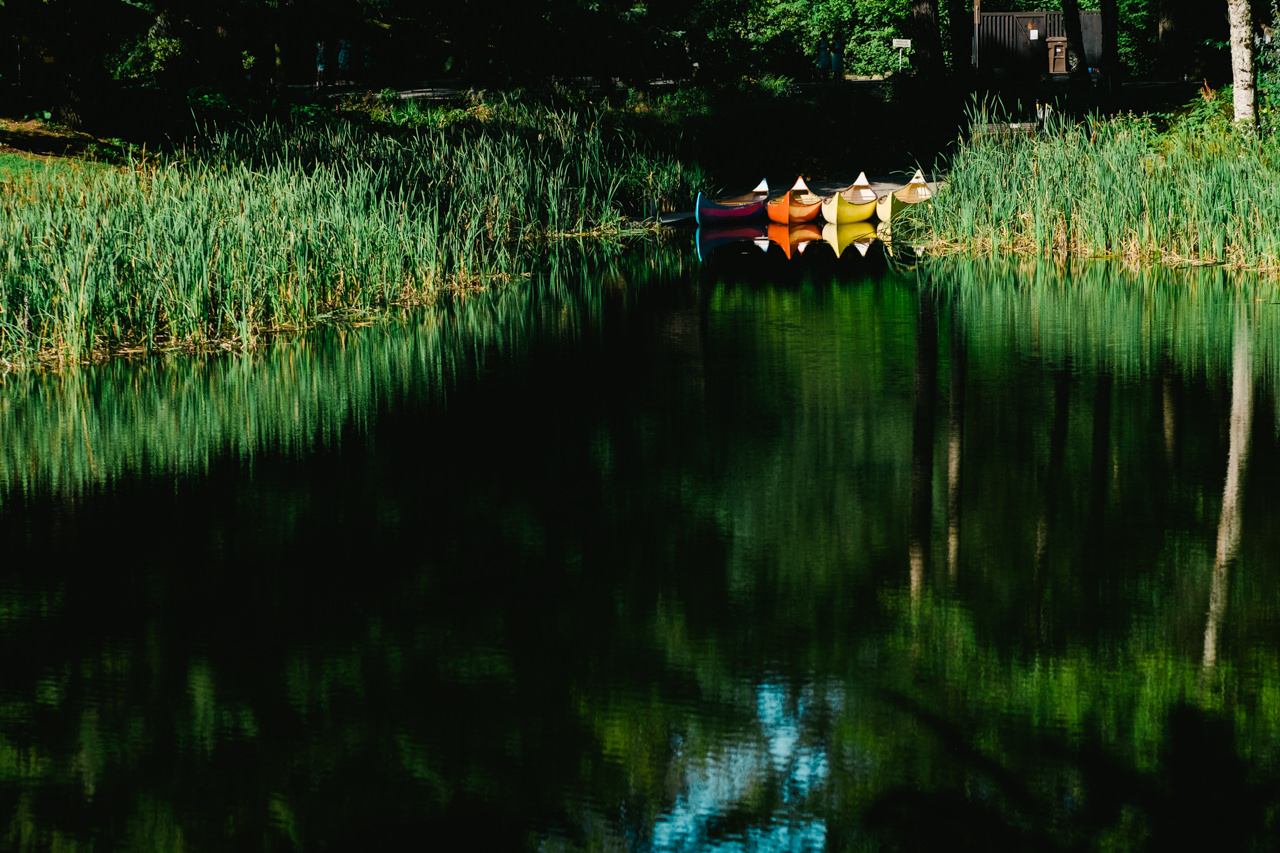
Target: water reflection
<point x="176" y="416"/>
<point x="1241" y="423"/>
<point x="643" y="556"/>
<point x="788" y="241"/>
<point x="768" y="780"/>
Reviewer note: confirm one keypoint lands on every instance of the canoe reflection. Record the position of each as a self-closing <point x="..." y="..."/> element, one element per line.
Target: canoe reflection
<point x="794" y="238"/>
<point x="747" y="236"/>
<point x="859" y="235"/>
<point x="751" y="239"/>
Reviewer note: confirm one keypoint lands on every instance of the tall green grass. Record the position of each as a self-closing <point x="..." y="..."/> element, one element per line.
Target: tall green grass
<point x="279" y="225"/>
<point x="1114" y="187"/>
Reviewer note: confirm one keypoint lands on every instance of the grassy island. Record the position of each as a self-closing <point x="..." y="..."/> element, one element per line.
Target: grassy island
<point x="1145" y="189"/>
<point x="277" y="225"/>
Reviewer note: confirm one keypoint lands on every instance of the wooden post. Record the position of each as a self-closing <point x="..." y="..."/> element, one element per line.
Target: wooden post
<point x="977" y="23"/>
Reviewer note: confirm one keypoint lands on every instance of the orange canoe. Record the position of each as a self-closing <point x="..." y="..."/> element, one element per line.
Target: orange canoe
<point x="798" y="204"/>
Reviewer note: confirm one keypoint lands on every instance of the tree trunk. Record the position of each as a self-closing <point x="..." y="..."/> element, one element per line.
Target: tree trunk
<point x="1110" y="59"/>
<point x="1171" y="62"/>
<point x="960" y="37"/>
<point x="1075" y="39"/>
<point x="1243" y="100"/>
<point x="928" y="37"/>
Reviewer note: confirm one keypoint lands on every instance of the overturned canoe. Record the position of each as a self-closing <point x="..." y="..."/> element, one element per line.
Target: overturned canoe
<point x="854" y="203"/>
<point x="913" y="192"/>
<point x="736" y="209"/>
<point x="798" y="204"/>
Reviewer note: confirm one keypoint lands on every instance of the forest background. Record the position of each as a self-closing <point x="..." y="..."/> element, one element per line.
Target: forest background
<point x="108" y="63"/>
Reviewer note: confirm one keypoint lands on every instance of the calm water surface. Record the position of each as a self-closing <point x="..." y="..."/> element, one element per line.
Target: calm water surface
<point x="654" y="555"/>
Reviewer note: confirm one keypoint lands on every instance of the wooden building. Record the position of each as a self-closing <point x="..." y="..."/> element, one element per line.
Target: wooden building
<point x="1018" y="43"/>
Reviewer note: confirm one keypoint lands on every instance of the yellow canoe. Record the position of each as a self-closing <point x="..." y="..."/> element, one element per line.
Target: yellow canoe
<point x="798" y="204"/>
<point x="913" y="192"/>
<point x="854" y="203"/>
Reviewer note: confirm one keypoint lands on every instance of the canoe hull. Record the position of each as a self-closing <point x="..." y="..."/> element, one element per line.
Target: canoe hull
<point x="708" y="212"/>
<point x="854" y="203"/>
<point x="840" y="212"/>
<point x="797" y="205"/>
<point x="913" y="192"/>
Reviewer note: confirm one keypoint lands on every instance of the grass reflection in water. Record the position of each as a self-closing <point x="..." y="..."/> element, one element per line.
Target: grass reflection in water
<point x="629" y="566"/>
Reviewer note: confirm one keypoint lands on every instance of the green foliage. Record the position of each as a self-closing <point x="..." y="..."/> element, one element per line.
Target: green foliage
<point x="872" y="52"/>
<point x="209" y="103"/>
<point x="769" y="85"/>
<point x="1209" y="113"/>
<point x="1136" y="39"/>
<point x="146" y="58"/>
<point x="1199" y="192"/>
<point x="783" y="37"/>
<point x="1267" y="59"/>
<point x="268" y="226"/>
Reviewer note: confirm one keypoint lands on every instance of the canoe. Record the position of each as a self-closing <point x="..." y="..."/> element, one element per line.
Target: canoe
<point x="795" y="237"/>
<point x="854" y="203"/>
<point x="735" y="209"/>
<point x="749" y="235"/>
<point x="913" y="192"/>
<point x="798" y="204"/>
<point x="860" y="235"/>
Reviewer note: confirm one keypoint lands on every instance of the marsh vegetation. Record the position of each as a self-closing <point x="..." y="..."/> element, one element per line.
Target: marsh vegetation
<point x="1114" y="187"/>
<point x="270" y="226"/>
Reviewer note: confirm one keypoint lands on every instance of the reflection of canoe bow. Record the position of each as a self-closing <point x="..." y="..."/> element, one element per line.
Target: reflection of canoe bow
<point x="793" y="238"/>
<point x="798" y="204"/>
<point x="860" y="235"/>
<point x="710" y="238"/>
<point x="913" y="192"/>
<point x="735" y="209"/>
<point x="854" y="203"/>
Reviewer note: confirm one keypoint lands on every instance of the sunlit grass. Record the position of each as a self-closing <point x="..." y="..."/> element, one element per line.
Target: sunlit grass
<point x="1114" y="188"/>
<point x="276" y="226"/>
<point x="14" y="166"/>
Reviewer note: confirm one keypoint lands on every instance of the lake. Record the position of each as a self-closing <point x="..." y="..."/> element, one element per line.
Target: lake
<point x="649" y="553"/>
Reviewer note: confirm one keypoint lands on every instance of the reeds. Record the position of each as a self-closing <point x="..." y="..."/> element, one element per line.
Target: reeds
<point x="274" y="226"/>
<point x="1114" y="187"/>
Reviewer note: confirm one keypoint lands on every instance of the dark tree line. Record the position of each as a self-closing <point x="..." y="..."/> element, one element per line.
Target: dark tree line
<point x="79" y="49"/>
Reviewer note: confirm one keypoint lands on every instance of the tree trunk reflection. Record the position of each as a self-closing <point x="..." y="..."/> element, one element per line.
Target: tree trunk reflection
<point x="1228" y="546"/>
<point x="925" y="389"/>
<point x="955" y="439"/>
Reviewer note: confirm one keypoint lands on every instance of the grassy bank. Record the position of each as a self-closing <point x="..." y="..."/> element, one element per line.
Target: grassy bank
<point x="277" y="226"/>
<point x="1194" y="192"/>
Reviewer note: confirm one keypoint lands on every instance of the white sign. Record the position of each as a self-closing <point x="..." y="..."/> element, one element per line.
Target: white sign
<point x="1035" y="34"/>
<point x="902" y="42"/>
